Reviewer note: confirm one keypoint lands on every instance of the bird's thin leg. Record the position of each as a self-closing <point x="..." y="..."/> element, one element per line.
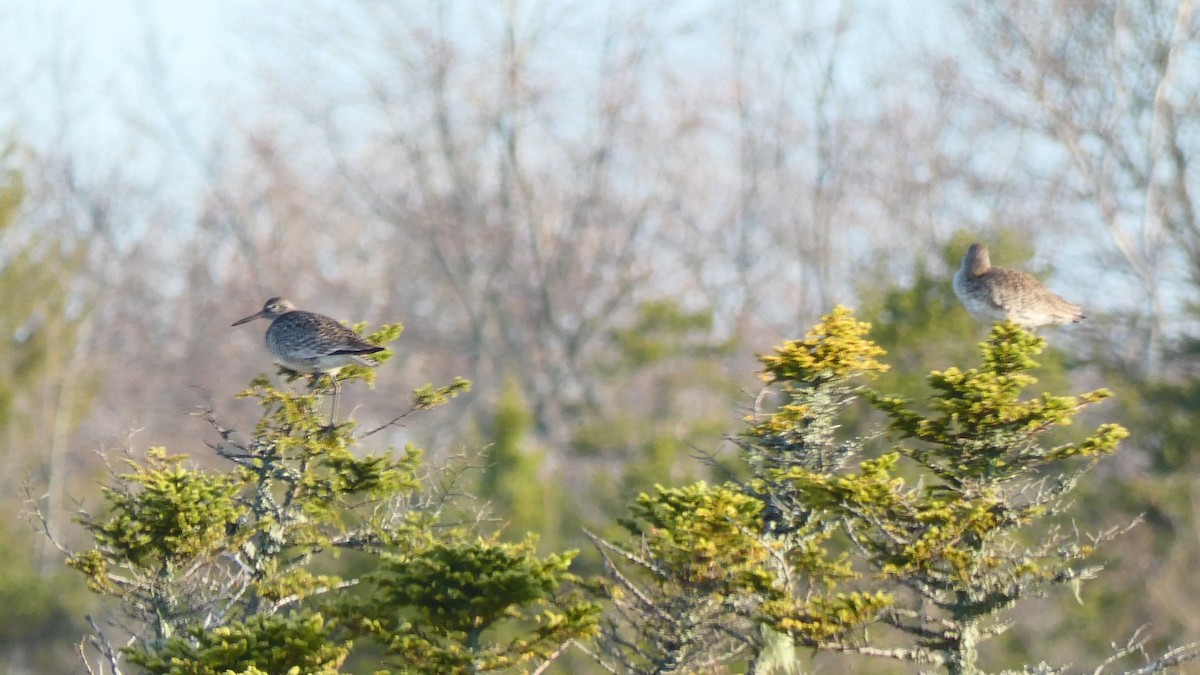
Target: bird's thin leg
<point x="337" y="389"/>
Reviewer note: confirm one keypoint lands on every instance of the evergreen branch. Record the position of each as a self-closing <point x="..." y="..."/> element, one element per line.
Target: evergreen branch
<point x="624" y="581"/>
<point x="894" y="618"/>
<point x="919" y="655"/>
<point x="595" y="656"/>
<point x="551" y="657"/>
<point x="294" y="598"/>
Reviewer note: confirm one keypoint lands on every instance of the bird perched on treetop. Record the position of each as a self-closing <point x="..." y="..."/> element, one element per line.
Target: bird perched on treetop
<point x="994" y="294"/>
<point x="307" y="342"/>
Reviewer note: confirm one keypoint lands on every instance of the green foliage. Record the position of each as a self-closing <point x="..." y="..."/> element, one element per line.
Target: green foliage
<point x="833" y="351"/>
<point x="707" y="535"/>
<point x="447" y="606"/>
<point x="698" y="575"/>
<point x="510" y="481"/>
<point x="980" y="428"/>
<point x="294" y="644"/>
<point x="428" y="396"/>
<point x="824" y="540"/>
<point x="815" y="378"/>
<point x="161" y="513"/>
<point x="685" y="582"/>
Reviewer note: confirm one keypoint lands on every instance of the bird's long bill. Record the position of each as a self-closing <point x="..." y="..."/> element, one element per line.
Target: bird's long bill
<point x="256" y="315"/>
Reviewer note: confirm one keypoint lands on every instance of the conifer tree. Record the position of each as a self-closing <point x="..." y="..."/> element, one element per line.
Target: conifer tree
<point x="236" y="570"/>
<point x="510" y="482"/>
<point x="916" y="546"/>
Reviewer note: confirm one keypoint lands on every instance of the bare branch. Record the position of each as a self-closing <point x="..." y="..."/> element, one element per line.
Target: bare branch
<point x="104" y="646"/>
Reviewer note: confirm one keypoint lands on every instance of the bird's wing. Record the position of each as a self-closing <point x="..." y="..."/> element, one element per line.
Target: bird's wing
<point x="1009" y="288"/>
<point x="318" y="336"/>
<point x="341" y="340"/>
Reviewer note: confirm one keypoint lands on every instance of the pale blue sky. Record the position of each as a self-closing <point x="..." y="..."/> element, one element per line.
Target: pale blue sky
<point x="90" y="60"/>
<point x="86" y="57"/>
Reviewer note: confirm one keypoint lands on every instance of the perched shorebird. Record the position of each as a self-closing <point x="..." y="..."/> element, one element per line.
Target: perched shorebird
<point x="993" y="294"/>
<point x="307" y="342"/>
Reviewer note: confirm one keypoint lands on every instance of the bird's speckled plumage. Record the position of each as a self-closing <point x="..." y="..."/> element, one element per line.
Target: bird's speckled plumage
<point x="308" y="342"/>
<point x="993" y="294"/>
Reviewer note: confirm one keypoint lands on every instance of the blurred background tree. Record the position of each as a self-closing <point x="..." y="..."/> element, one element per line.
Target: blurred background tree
<point x="46" y="389"/>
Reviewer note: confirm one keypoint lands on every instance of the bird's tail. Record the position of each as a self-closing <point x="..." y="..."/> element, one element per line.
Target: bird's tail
<point x="1067" y="312"/>
<point x="365" y="360"/>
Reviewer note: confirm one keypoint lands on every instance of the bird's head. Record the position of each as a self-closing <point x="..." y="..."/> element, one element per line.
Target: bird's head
<point x="272" y="309"/>
<point x="977" y="261"/>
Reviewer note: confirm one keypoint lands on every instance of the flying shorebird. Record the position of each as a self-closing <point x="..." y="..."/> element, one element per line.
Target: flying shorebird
<point x="992" y="294"/>
<point x="307" y="342"/>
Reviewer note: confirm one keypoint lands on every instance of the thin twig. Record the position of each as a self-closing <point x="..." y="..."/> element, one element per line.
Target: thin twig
<point x="101" y="643"/>
<point x="391" y="423"/>
<point x="43" y="523"/>
<point x="83" y="657"/>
